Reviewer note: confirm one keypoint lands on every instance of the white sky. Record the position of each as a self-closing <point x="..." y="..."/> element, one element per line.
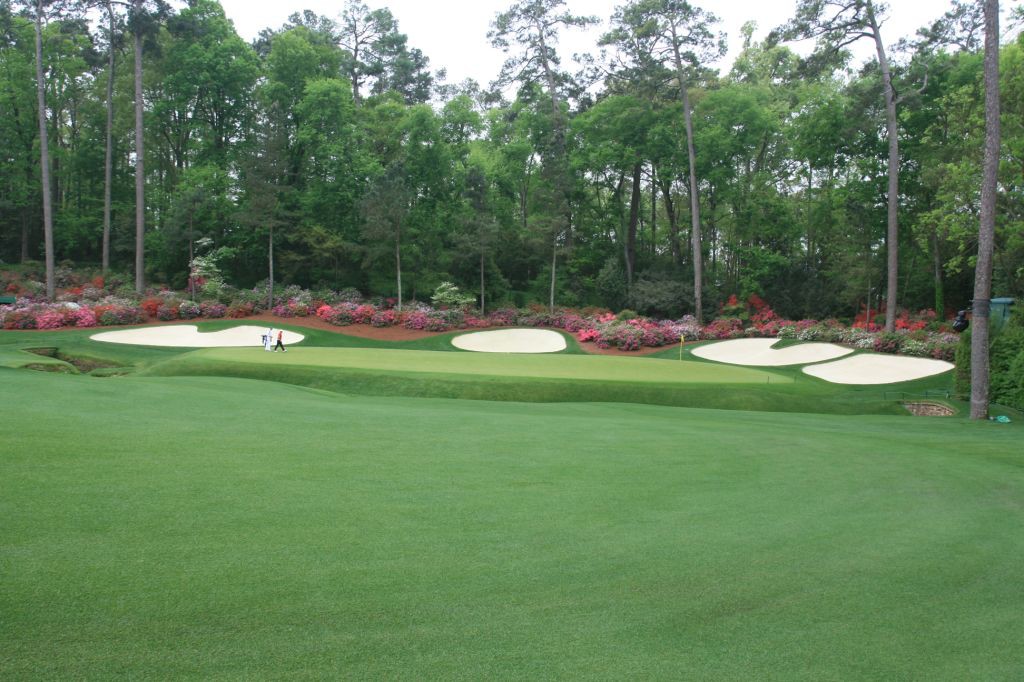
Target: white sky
<point x="453" y="33"/>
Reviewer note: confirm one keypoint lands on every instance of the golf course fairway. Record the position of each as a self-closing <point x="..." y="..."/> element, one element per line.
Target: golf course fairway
<point x="219" y="528"/>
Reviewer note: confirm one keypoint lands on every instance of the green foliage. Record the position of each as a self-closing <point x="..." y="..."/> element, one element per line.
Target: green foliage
<point x="321" y="134"/>
<point x="1006" y="363"/>
<point x="662" y="295"/>
<point x="448" y="295"/>
<point x="611" y="284"/>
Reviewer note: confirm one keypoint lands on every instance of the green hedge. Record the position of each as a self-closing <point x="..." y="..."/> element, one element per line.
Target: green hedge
<point x="1006" y="364"/>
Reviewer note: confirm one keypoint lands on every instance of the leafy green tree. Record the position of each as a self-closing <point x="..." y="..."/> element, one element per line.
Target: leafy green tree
<point x="479" y="229"/>
<point x="19" y="128"/>
<point x="837" y="24"/>
<point x="39" y="13"/>
<point x="212" y="73"/>
<point x="533" y="26"/>
<point x="144" y="17"/>
<point x="674" y="35"/>
<point x="377" y="54"/>
<point x="385" y="209"/>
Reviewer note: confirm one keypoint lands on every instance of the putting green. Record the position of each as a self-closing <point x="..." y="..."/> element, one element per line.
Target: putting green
<point x="582" y="367"/>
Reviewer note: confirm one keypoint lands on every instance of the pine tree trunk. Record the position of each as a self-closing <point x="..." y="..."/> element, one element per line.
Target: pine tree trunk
<point x="44" y="157"/>
<point x="695" y="236"/>
<point x="986" y="232"/>
<point x="24" y="236"/>
<point x="108" y="165"/>
<point x="634" y="216"/>
<point x="140" y="190"/>
<point x="554" y="263"/>
<point x="191" y="258"/>
<point x="673" y="225"/>
<point x="270" y="268"/>
<point x="483" y="310"/>
<point x="892" y="224"/>
<point x="398" y="264"/>
<point x="940" y="295"/>
<point x="654" y="212"/>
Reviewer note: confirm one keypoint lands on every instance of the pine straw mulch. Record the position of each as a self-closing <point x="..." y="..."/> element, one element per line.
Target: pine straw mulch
<point x="922" y="409"/>
<point x="363" y="331"/>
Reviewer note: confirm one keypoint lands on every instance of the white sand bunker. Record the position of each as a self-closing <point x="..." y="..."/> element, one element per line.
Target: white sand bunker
<point x="874" y="368"/>
<point x="189" y="336"/>
<point x="759" y="352"/>
<point x="512" y="341"/>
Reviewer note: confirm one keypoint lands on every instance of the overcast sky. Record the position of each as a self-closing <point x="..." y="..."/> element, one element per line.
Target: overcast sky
<point x="453" y="33"/>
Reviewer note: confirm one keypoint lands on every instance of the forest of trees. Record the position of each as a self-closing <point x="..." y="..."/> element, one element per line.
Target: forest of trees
<point x="334" y="152"/>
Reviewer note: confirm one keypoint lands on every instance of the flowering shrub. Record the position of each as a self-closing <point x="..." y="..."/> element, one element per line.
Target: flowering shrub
<point x="341" y="315"/>
<point x="503" y="317"/>
<point x="86" y="302"/>
<point x="383" y="318"/>
<point x="416" y="320"/>
<point x="363" y="314"/>
<point x="19" y="319"/>
<point x="239" y="310"/>
<point x="188" y="310"/>
<point x="724" y="328"/>
<point x="213" y="309"/>
<point x="83" y="317"/>
<point x="114" y="314"/>
<point x="476" y="322"/>
<point x="828" y="331"/>
<point x="167" y="313"/>
<point x="623" y="336"/>
<point x="686" y="329"/>
<point x="350" y="295"/>
<point x="888" y="342"/>
<point x="733" y="308"/>
<point x="151" y="305"/>
<point x="50" y="319"/>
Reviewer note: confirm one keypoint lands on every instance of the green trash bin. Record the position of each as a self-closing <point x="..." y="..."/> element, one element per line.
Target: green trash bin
<point x="1000" y="312"/>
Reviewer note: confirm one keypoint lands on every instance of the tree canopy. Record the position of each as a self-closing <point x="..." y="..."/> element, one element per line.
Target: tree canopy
<point x="331" y="152"/>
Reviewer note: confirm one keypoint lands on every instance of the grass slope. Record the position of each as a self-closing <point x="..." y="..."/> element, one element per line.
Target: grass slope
<point x="542" y="378"/>
<point x="565" y="377"/>
<point x="232" y="529"/>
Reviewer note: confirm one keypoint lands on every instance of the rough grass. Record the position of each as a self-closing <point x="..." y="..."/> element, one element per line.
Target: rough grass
<point x="220" y="528"/>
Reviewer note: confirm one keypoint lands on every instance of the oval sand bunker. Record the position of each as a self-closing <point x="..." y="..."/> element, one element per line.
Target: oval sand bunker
<point x="189" y="336"/>
<point x="511" y="341"/>
<point x="759" y="352"/>
<point x="871" y="368"/>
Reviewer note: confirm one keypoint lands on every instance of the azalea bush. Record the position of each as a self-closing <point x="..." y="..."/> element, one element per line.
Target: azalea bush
<point x="88" y="301"/>
<point x="213" y="309"/>
<point x="189" y="310"/>
<point x="118" y="314"/>
<point x="240" y="310"/>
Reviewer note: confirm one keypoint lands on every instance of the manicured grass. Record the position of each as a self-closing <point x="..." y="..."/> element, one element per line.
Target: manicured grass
<point x="570" y="376"/>
<point x="547" y="378"/>
<point x="221" y="528"/>
<point x="547" y="366"/>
